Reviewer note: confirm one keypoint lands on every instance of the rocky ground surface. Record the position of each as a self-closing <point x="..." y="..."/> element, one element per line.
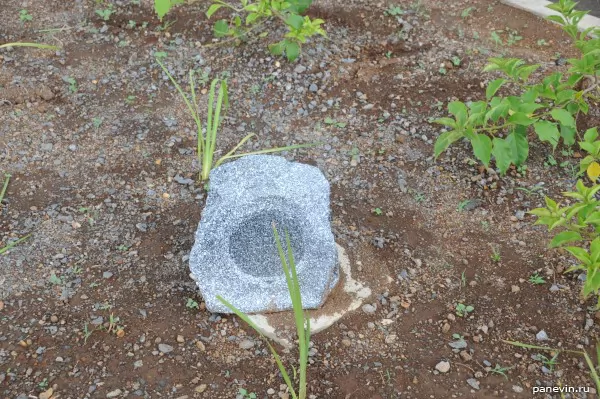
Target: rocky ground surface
<point x="98" y="303"/>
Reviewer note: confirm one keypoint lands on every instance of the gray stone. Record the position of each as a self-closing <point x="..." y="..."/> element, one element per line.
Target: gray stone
<point x="164" y="348"/>
<point x="235" y="255"/>
<point x="473" y="383"/>
<point x="541" y="336"/>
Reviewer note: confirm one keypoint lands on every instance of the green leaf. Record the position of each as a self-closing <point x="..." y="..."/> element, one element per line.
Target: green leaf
<point x="502" y="154"/>
<point x="292" y="50"/>
<point x="213" y="9"/>
<point x="459" y="110"/>
<point x="446" y="122"/>
<point x="565" y="237"/>
<point x="580" y="253"/>
<point x="295" y="21"/>
<point x="591" y="135"/>
<point x="547" y="131"/>
<point x="519" y="147"/>
<point x="525" y="71"/>
<point x="251" y="18"/>
<point x="299" y="6"/>
<point x="277" y="48"/>
<point x="595" y="250"/>
<point x="221" y="28"/>
<point x="444" y="141"/>
<point x="482" y="148"/>
<point x="568" y="134"/>
<point x="493" y="87"/>
<point x="162" y="7"/>
<point x="520" y="118"/>
<point x="563" y="116"/>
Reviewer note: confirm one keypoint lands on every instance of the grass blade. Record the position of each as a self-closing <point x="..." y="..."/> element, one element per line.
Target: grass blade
<point x="13" y="244"/>
<point x="248" y="321"/>
<point x="5" y="186"/>
<point x="36" y="45"/>
<point x="593" y="371"/>
<point x="268" y="151"/>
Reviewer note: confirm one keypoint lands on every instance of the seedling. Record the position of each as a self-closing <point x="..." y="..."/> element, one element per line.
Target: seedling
<point x="458" y="337"/>
<point x="247" y="395"/>
<point x="467" y="12"/>
<point x="43" y="384"/>
<point x="463" y="204"/>
<point x="496" y="38"/>
<point x="333" y="122"/>
<point x="72" y="84"/>
<point x="463" y="279"/>
<point x="24" y="16"/>
<point x="420" y="197"/>
<point x="97" y="122"/>
<point x="159" y="55"/>
<point x="536" y="279"/>
<point x="87" y="332"/>
<point x="443" y="71"/>
<point x="131" y="24"/>
<point x="542" y="42"/>
<point x="495" y="256"/>
<point x="501" y="370"/>
<point x="191" y="304"/>
<point x="456" y="61"/>
<point x="548" y="362"/>
<point x="550" y="161"/>
<point x="302" y="321"/>
<point x="393" y="11"/>
<point x="463" y="310"/>
<point x="106" y="13"/>
<point x="388" y="54"/>
<point x="207" y="142"/>
<point x="54" y="279"/>
<point x="130" y="100"/>
<point x="378" y="211"/>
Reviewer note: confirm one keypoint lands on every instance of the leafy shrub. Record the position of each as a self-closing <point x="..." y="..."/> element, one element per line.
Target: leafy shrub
<point x="499" y="126"/>
<point x="299" y="28"/>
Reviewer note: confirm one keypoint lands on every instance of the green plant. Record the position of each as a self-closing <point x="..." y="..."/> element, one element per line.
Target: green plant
<point x="501" y="370"/>
<point x="302" y="322"/>
<point x="333" y="122"/>
<point x="206" y="143"/>
<point x="456" y="61"/>
<point x="377" y="211"/>
<point x="499" y="126"/>
<point x="130" y="100"/>
<point x="72" y="84"/>
<point x="548" y="362"/>
<point x="43" y="384"/>
<point x="97" y="122"/>
<point x="24" y="16"/>
<point x="466" y="12"/>
<point x="443" y="71"/>
<point x="54" y="279"/>
<point x="393" y="11"/>
<point x="463" y="310"/>
<point x="257" y="14"/>
<point x="87" y="332"/>
<point x="590" y="163"/>
<point x="536" y="279"/>
<point x="495" y="256"/>
<point x="246" y="394"/>
<point x="581" y="223"/>
<point x="191" y="304"/>
<point x="106" y="12"/>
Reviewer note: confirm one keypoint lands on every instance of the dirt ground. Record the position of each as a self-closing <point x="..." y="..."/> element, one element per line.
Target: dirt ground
<point x="101" y="152"/>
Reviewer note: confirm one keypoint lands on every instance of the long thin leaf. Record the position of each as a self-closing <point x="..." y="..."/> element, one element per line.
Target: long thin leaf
<point x="248" y="321"/>
<point x="6" y="180"/>
<point x="592" y="368"/>
<point x="36" y="45"/>
<point x="199" y="135"/>
<point x="183" y="95"/>
<point x="266" y="151"/>
<point x="13" y="244"/>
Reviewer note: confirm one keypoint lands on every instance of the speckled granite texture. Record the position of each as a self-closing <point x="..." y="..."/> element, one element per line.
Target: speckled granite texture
<point x="235" y="255"/>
